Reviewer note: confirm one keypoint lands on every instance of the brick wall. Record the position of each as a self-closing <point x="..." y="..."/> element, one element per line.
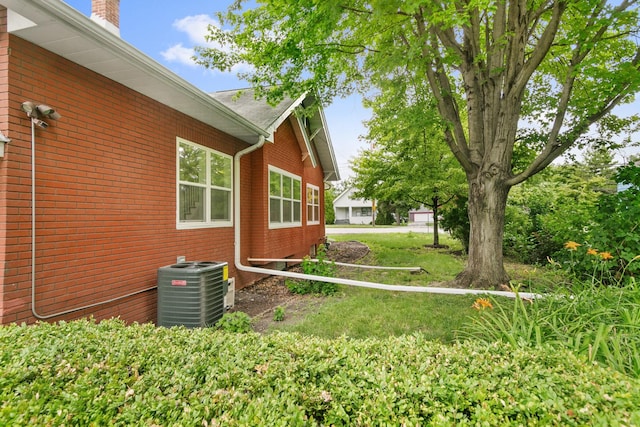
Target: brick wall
<point x="4" y="125"/>
<point x="106" y="193"/>
<point x="285" y="154"/>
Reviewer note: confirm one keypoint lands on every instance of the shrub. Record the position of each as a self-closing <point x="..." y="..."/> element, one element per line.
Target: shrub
<point x="618" y="226"/>
<point x="278" y="314"/>
<point x="83" y="373"/>
<point x="321" y="267"/>
<point x="237" y="321"/>
<point x="455" y="220"/>
<point x="536" y="221"/>
<point x="612" y="229"/>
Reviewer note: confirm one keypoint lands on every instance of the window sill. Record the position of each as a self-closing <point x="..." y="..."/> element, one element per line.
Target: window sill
<point x="198" y="225"/>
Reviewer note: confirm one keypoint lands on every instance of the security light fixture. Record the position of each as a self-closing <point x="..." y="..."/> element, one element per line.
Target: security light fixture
<point x="39" y="112"/>
<point x="29" y="108"/>
<point x="40" y="123"/>
<point x="47" y="111"/>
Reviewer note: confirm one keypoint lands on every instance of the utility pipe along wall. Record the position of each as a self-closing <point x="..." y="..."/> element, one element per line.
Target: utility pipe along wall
<point x="37" y="113"/>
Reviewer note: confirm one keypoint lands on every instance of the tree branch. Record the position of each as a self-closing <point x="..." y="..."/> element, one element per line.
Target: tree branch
<point x="553" y="149"/>
<point x="540" y="51"/>
<point x="356" y="48"/>
<point x="353" y="9"/>
<point x="443" y="93"/>
<point x="422" y="202"/>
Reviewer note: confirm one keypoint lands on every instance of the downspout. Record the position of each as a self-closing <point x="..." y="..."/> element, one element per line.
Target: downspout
<point x="258" y="270"/>
<point x="236" y="199"/>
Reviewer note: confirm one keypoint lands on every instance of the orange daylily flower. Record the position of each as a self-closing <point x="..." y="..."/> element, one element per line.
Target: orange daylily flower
<point x="592" y="251"/>
<point x="481" y="304"/>
<point x="571" y="245"/>
<point x="606" y="255"/>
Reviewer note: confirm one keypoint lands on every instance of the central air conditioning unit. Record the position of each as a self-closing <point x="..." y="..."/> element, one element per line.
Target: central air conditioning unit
<point x="191" y="294"/>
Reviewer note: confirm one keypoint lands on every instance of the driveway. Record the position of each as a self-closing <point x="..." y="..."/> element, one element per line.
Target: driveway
<point x="379" y="230"/>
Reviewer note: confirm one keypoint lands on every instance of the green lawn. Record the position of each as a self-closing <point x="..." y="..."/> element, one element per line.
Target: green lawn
<point x="363" y="313"/>
<point x="599" y="323"/>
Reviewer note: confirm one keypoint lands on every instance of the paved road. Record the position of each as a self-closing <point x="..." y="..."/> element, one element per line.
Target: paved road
<point x="379" y="230"/>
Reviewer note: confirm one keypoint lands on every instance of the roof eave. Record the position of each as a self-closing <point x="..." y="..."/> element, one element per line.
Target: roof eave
<point x="179" y="94"/>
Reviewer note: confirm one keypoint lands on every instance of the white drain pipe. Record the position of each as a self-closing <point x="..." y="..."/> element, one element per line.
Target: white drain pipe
<point x="342" y="264"/>
<point x="358" y="283"/>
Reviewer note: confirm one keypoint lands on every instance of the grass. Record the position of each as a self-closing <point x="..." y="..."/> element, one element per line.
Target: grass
<point x="363" y="313"/>
<point x="367" y="313"/>
<point x="405" y="250"/>
<point x="598" y="323"/>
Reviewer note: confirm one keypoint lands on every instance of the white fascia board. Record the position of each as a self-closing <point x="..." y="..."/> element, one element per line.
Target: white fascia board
<point x="284" y="116"/>
<point x="307" y="141"/>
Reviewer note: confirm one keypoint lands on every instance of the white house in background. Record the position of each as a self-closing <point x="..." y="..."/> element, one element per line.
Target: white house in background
<point x="420" y="216"/>
<point x="352" y="211"/>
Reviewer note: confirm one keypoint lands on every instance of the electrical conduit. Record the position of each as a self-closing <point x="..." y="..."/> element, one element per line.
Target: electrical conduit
<point x="34" y="311"/>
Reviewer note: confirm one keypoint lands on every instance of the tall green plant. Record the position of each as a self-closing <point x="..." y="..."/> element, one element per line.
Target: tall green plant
<point x="455" y="220"/>
<point x="411" y="163"/>
<point x="618" y="219"/>
<point x="544" y="213"/>
<point x="329" y="212"/>
<point x="599" y="323"/>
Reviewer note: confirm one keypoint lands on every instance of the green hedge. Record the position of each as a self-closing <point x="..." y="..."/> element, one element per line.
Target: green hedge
<point x="83" y="373"/>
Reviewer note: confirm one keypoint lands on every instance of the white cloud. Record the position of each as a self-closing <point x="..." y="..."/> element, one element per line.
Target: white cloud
<point x="196" y="27"/>
<point x="179" y="53"/>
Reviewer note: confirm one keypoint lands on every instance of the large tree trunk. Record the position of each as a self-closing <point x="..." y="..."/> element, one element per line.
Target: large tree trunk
<point x="487" y="204"/>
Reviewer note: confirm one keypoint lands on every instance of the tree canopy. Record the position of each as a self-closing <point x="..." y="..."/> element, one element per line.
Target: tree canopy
<point x="506" y="75"/>
<point x="409" y="161"/>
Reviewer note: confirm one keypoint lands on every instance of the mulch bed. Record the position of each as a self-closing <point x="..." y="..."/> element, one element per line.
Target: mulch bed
<point x="260" y="299"/>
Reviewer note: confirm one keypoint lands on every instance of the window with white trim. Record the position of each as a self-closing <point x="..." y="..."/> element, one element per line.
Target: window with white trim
<point x="313" y="204"/>
<point x="205" y="190"/>
<point x="285" y="199"/>
<point x="363" y="211"/>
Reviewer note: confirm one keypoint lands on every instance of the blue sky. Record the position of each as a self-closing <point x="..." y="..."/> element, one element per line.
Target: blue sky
<point x="167" y="31"/>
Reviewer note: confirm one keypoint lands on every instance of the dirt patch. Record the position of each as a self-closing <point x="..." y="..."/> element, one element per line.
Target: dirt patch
<point x="260" y="299"/>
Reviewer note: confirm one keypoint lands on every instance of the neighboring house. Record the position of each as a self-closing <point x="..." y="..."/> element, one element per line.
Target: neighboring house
<point x="420" y="216"/>
<point x="350" y="210"/>
<point x="141" y="168"/>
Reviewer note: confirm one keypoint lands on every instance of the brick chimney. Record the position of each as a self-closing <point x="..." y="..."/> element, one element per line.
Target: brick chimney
<point x="107" y="14"/>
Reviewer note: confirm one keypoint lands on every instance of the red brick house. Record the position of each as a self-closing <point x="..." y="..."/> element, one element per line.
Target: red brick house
<point x="135" y="168"/>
